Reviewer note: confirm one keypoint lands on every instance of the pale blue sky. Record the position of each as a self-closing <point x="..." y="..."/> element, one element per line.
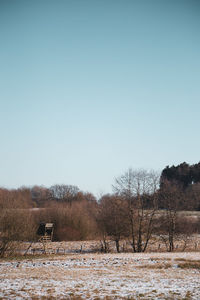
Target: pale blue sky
<point x="91" y="88"/>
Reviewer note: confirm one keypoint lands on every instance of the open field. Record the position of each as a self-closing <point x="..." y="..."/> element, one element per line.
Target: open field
<point x="102" y="276"/>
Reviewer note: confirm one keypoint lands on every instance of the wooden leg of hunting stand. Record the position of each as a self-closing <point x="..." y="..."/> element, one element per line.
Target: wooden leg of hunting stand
<point x="44" y="246"/>
<point x="26" y="251"/>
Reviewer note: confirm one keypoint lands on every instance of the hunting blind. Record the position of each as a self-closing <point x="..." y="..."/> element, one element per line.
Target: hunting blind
<point x="45" y="230"/>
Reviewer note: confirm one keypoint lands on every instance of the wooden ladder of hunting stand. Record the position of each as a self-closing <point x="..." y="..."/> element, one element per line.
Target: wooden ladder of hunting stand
<point x="46" y="232"/>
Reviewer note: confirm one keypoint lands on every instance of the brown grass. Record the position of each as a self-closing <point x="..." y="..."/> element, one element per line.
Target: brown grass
<point x="161" y="258"/>
<point x="156" y="266"/>
<point x="184" y="263"/>
<point x="190" y="265"/>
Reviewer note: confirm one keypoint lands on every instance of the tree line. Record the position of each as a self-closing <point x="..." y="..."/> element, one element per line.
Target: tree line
<point x="143" y="204"/>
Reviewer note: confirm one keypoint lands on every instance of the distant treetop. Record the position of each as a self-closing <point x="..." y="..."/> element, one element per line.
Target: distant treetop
<point x="184" y="174"/>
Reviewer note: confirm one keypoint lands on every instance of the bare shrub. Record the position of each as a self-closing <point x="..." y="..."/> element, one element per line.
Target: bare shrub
<point x="16" y="226"/>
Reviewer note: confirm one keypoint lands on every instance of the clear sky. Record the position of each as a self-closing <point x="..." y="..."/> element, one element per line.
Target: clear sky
<point x="89" y="88"/>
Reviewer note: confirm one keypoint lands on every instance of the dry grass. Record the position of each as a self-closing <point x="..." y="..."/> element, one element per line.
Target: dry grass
<point x="189" y="265"/>
<point x="159" y="258"/>
<point x="156" y="266"/>
<point x="102" y="276"/>
<point x="67" y="247"/>
<point x="184" y="263"/>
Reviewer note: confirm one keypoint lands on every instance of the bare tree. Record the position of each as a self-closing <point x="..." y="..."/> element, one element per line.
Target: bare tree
<point x="112" y="219"/>
<point x="171" y="198"/>
<point x="40" y="195"/>
<point x="16" y="226"/>
<point x="64" y="193"/>
<point x="16" y="221"/>
<point x="15" y="198"/>
<point x="139" y="189"/>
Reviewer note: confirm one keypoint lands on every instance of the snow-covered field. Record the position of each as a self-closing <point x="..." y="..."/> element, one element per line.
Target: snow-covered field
<point x="103" y="276"/>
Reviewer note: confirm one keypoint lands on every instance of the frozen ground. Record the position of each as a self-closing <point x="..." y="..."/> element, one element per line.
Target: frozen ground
<point x="103" y="276"/>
